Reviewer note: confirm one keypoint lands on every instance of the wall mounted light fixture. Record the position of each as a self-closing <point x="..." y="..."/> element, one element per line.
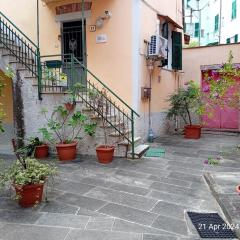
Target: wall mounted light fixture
<point x="100" y="20"/>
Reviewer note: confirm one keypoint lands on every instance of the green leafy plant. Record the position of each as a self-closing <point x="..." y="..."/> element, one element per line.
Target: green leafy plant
<point x="220" y="83"/>
<point x="64" y="126"/>
<point x="25" y="172"/>
<point x="185" y="102"/>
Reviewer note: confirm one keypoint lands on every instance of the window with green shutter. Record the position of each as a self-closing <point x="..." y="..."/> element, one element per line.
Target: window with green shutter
<point x="188" y="3"/>
<point x="234" y="9"/>
<point x="236" y="38"/>
<point x="196" y="30"/>
<point x="216" y="23"/>
<point x="177" y="50"/>
<point x="228" y="40"/>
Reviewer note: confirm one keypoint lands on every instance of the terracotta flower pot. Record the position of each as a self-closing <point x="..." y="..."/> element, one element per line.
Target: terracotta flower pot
<point x="29" y="195"/>
<point x="105" y="154"/>
<point x="41" y="151"/>
<point x="193" y="131"/>
<point x="70" y="106"/>
<point x="66" y="152"/>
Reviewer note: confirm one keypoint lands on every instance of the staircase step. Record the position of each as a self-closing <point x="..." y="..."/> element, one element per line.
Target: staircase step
<point x="126" y="143"/>
<point x="138" y="151"/>
<point x="117" y="134"/>
<point x="115" y="124"/>
<point x="96" y="117"/>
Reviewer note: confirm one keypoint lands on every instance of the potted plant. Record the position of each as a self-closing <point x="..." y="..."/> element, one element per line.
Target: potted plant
<point x="184" y="103"/>
<point x="37" y="148"/>
<point x="27" y="176"/>
<point x="64" y="128"/>
<point x="70" y="103"/>
<point x="105" y="152"/>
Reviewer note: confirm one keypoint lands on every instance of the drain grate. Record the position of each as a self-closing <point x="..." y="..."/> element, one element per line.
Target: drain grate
<point x="211" y="225"/>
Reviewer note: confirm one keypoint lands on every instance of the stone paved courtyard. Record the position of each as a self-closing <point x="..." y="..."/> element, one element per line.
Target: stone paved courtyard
<point x="127" y="200"/>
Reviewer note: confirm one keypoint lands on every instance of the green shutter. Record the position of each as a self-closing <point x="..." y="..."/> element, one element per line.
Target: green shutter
<point x="196" y="31"/>
<point x="216" y="24"/>
<point x="234" y="9"/>
<point x="188" y="3"/>
<point x="177" y="50"/>
<point x="236" y="38"/>
<point x="228" y="40"/>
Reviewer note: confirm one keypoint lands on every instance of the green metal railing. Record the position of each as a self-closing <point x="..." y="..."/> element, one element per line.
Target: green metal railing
<point x="60" y="73"/>
<point x="19" y="45"/>
<point x="124" y="115"/>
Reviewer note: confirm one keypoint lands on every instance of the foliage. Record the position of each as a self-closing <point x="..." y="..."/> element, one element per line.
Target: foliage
<point x="97" y="100"/>
<point x="54" y="76"/>
<point x="29" y="149"/>
<point x="9" y="73"/>
<point x="73" y="93"/>
<point x="223" y="85"/>
<point x="66" y="126"/>
<point x="192" y="44"/>
<point x="26" y="171"/>
<point x="185" y="101"/>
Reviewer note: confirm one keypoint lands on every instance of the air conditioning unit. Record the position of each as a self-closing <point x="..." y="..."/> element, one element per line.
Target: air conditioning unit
<point x="158" y="47"/>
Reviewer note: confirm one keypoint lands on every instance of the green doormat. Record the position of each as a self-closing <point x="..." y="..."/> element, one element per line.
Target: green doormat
<point x="155" y="152"/>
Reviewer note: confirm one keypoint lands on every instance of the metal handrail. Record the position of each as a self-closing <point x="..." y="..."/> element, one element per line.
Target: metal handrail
<point x="105" y="86"/>
<point x="24" y="35"/>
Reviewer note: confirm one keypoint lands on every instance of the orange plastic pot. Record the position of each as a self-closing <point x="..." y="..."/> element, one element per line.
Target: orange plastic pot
<point x="29" y="195"/>
<point x="70" y="106"/>
<point x="41" y="151"/>
<point x="66" y="152"/>
<point x="193" y="131"/>
<point x="105" y="154"/>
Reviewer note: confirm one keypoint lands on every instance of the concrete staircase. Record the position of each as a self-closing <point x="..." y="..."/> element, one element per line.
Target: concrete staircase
<point x="120" y="124"/>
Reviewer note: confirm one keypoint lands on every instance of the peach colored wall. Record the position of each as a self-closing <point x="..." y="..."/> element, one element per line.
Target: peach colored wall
<point x="111" y="61"/>
<point x="164" y="81"/>
<point x="7" y="99"/>
<point x="193" y="58"/>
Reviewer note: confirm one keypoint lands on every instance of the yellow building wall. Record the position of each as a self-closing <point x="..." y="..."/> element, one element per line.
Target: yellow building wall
<point x="110" y="61"/>
<point x="194" y="58"/>
<point x="164" y="81"/>
<point x="7" y="99"/>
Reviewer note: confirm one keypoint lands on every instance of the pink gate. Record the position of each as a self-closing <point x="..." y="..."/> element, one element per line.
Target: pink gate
<point x="220" y="118"/>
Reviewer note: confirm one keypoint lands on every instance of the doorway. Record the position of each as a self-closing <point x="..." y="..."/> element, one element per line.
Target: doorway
<point x="72" y="44"/>
<point x="224" y="118"/>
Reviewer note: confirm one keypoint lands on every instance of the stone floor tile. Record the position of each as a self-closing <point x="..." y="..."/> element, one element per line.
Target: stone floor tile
<point x="100" y="223"/>
<point x="131" y="200"/>
<point x="81" y="201"/>
<point x="171" y="225"/>
<point x="158" y="237"/>
<point x="171" y="181"/>
<point x="185" y="176"/>
<point x="87" y="212"/>
<point x="26" y="216"/>
<point x="125" y="226"/>
<point x="31" y="232"/>
<point x="163" y="187"/>
<point x="130" y="189"/>
<point x="73" y="187"/>
<point x="101" y="235"/>
<point x="170" y="209"/>
<point x="58" y="207"/>
<point x="129" y="214"/>
<point x="177" y="199"/>
<point x="63" y="220"/>
<point x="96" y="182"/>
